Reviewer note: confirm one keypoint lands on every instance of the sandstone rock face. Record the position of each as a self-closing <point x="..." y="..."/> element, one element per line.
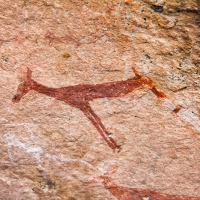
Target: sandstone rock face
<point x="51" y="143"/>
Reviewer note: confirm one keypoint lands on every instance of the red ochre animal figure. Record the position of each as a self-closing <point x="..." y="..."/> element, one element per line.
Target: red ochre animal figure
<point x="126" y="193"/>
<point x="79" y="96"/>
<point x="52" y="38"/>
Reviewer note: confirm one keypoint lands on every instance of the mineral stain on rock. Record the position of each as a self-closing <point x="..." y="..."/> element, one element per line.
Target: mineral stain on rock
<point x="158" y="9"/>
<point x="51" y="184"/>
<point x="66" y="55"/>
<point x="47" y="184"/>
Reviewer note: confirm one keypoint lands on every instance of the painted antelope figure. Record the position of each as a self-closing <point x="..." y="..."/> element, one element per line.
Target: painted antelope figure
<point x="52" y="38"/>
<point x="126" y="193"/>
<point x="79" y="96"/>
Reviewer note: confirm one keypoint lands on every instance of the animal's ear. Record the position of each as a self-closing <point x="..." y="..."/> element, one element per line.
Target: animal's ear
<point x="29" y="73"/>
<point x="111" y="171"/>
<point x="22" y="73"/>
<point x="136" y="73"/>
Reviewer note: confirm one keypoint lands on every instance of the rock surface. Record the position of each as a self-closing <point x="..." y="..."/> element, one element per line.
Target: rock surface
<point x="49" y="148"/>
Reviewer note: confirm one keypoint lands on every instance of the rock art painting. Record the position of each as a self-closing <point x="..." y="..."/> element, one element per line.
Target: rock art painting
<point x="52" y="39"/>
<point x="16" y="39"/>
<point x="79" y="96"/>
<point x="118" y="86"/>
<point x="128" y="193"/>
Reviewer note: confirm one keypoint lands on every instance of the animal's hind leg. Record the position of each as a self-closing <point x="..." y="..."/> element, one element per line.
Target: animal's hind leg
<point x="96" y="121"/>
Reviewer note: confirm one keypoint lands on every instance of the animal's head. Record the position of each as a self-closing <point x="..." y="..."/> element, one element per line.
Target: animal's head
<point x="147" y="81"/>
<point x="23" y="87"/>
<point x="105" y="179"/>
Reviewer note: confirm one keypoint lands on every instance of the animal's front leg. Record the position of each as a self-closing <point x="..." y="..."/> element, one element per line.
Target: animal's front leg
<point x="96" y="121"/>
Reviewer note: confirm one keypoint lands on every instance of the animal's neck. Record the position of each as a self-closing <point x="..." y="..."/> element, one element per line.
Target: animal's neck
<point x="43" y="89"/>
<point x="109" y="184"/>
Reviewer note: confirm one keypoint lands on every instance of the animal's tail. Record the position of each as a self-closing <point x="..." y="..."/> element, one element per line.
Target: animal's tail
<point x="25" y="85"/>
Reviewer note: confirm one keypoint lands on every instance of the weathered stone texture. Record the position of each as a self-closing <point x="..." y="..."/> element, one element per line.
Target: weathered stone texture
<point x="48" y="148"/>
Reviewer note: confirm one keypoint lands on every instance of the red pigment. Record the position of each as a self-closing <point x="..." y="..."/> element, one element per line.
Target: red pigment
<point x="52" y="38"/>
<point x="79" y="96"/>
<point x="126" y="193"/>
